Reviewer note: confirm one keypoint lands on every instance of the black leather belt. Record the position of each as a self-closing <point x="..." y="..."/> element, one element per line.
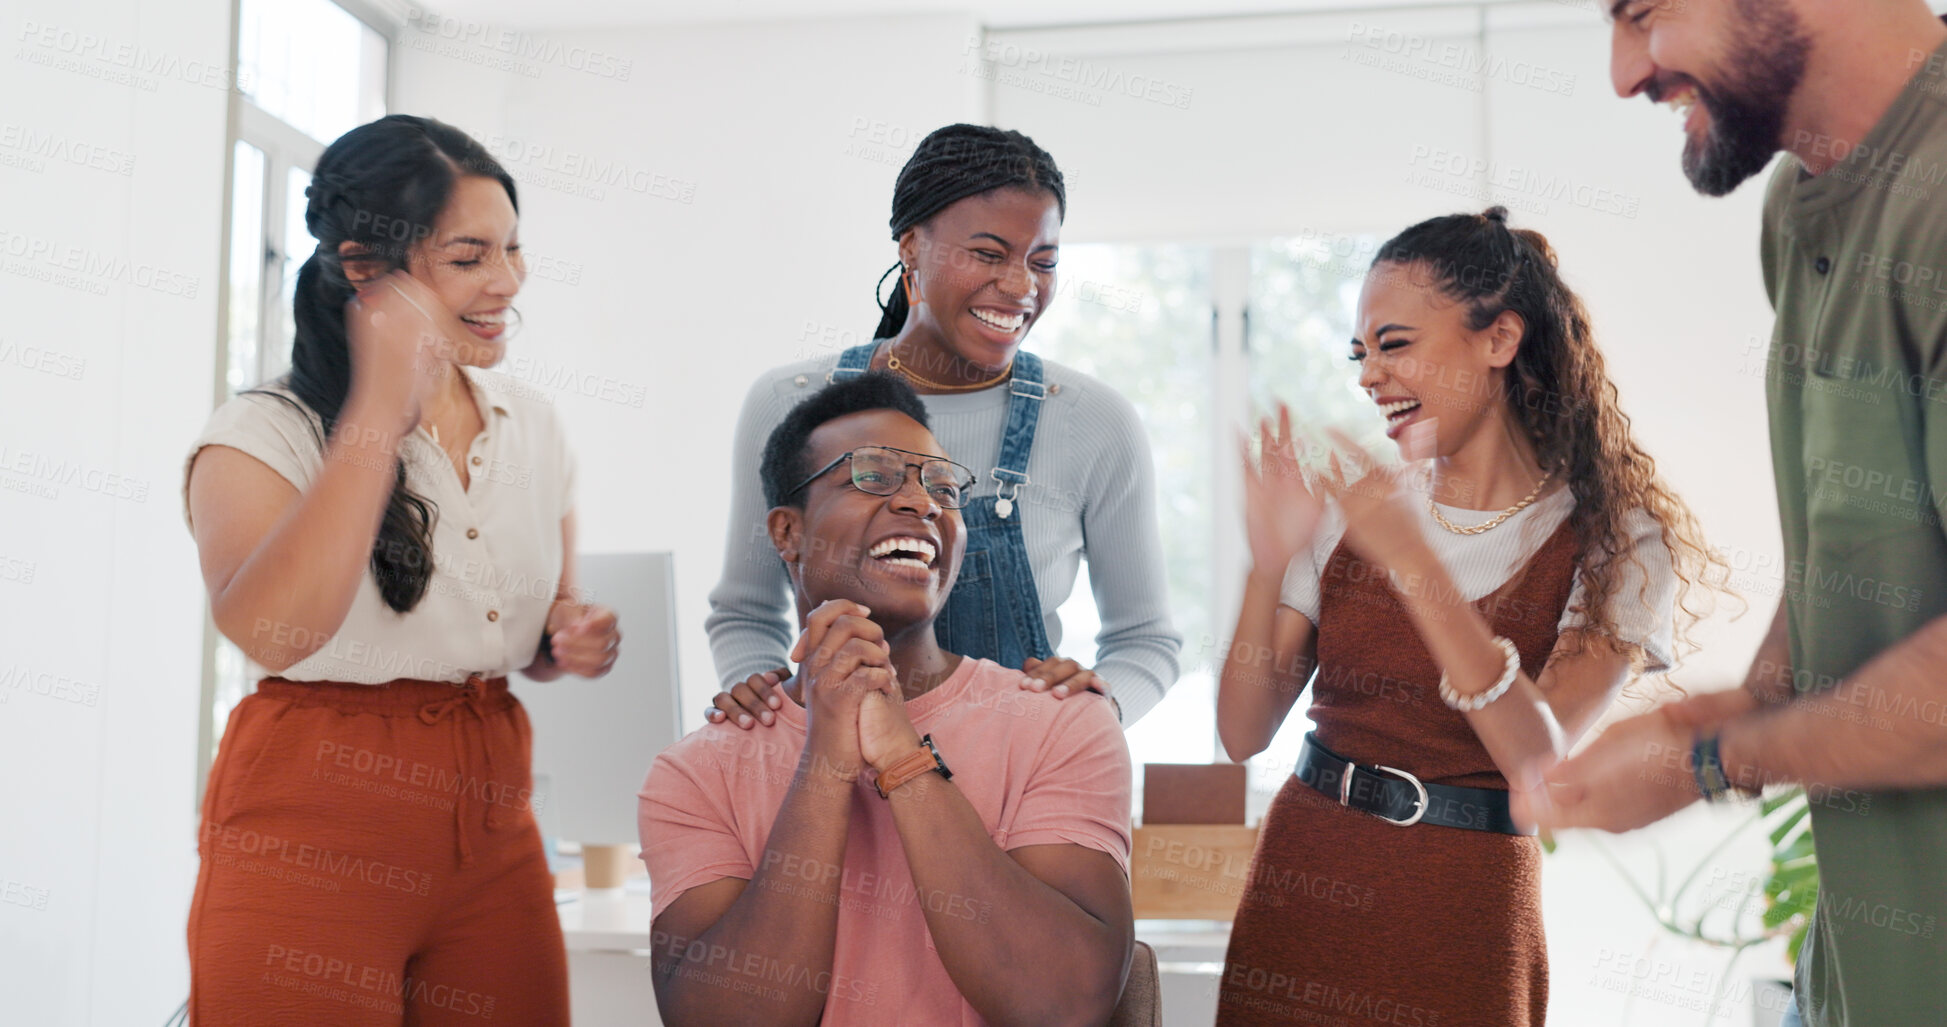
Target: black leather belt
<point x="1398" y="797"/>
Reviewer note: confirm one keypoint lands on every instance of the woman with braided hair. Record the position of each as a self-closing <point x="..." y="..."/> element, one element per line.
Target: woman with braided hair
<point x="1063" y="465"/>
<point x="1469" y="614"/>
<point x="389" y="531"/>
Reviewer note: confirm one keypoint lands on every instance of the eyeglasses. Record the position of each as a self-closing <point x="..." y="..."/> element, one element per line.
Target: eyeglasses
<point x="883" y="470"/>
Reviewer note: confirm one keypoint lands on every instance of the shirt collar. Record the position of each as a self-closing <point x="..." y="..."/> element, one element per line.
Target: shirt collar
<point x="489" y="390"/>
<point x="1890" y="138"/>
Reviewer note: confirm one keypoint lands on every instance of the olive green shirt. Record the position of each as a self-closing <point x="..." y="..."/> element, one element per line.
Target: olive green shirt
<point x="1855" y="261"/>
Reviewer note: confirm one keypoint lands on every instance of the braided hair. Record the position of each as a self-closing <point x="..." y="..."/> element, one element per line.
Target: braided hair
<point x="380" y="187"/>
<point x="949" y="165"/>
<point x="1560" y="395"/>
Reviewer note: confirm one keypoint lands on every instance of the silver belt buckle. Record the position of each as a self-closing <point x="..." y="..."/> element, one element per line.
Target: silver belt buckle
<point x="1345" y="794"/>
<point x="1419" y="809"/>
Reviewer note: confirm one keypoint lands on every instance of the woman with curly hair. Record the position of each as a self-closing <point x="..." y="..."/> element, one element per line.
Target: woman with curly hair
<point x="1469" y="613"/>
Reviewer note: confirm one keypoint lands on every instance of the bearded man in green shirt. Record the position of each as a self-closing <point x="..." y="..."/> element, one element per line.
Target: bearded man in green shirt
<point x="1848" y="693"/>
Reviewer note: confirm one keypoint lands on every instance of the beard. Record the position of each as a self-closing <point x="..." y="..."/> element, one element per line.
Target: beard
<point x="1747" y="106"/>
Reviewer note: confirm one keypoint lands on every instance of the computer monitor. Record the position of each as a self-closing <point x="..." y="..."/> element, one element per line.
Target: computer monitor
<point x="594" y="739"/>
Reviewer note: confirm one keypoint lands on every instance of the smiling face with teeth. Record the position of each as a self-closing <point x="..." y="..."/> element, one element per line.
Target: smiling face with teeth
<point x="1421" y="362"/>
<point x="985" y="271"/>
<point x="470" y="259"/>
<point x="1729" y="68"/>
<point x="898" y="554"/>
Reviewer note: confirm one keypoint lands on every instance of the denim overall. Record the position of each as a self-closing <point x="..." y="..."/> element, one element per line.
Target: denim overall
<point x="994" y="611"/>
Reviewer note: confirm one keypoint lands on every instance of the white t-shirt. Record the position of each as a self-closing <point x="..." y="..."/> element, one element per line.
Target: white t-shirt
<point x="496" y="544"/>
<point x="1481" y="563"/>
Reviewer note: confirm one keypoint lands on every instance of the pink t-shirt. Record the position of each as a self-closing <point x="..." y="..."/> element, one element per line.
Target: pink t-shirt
<point x="1039" y="770"/>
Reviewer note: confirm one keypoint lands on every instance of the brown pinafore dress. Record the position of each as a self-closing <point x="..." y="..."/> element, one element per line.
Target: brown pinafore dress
<point x="1348" y="920"/>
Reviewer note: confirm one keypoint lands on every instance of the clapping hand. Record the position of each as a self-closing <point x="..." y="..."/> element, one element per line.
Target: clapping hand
<point x="1381" y="522"/>
<point x="1282" y="508"/>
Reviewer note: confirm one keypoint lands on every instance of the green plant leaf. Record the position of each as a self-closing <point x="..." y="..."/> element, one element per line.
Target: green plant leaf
<point x="1790" y="821"/>
<point x="1792" y="890"/>
<point x="1782" y="799"/>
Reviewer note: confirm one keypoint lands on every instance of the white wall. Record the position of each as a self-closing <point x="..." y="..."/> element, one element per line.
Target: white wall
<point x="751" y="201"/>
<point x="1248" y="130"/>
<point x="106" y="373"/>
<point x="1677" y="299"/>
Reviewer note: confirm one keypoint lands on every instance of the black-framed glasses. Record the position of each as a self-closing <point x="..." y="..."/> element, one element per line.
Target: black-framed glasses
<point x="883" y="470"/>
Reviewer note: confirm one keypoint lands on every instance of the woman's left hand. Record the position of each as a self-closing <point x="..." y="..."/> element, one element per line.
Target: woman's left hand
<point x="1062" y="677"/>
<point x="583" y="637"/>
<point x="1381" y="522"/>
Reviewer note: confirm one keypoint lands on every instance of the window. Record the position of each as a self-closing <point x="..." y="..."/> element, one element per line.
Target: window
<point x="1200" y="339"/>
<point x="312" y="65"/>
<point x="245" y="340"/>
<point x="1138" y="318"/>
<point x="1302" y="294"/>
<point x="1301" y="298"/>
<point x="308" y="71"/>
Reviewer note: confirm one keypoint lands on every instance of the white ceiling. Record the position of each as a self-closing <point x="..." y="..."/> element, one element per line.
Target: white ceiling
<point x="992" y="13"/>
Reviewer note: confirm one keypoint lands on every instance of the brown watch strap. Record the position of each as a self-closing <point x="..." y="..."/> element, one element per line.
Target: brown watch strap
<point x="905" y="768"/>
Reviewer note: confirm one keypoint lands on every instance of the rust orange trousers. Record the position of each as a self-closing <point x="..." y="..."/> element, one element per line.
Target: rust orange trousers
<point x="370" y="856"/>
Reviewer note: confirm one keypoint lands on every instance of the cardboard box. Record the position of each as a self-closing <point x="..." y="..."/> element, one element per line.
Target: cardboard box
<point x="1190" y="871"/>
<point x="1193" y="793"/>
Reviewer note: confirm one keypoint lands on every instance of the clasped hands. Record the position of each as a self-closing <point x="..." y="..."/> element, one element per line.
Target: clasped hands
<point x="1636" y="772"/>
<point x="752" y="700"/>
<point x="850" y="692"/>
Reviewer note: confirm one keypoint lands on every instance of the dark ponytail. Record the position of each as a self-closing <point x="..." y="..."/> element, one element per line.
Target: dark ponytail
<point x="379" y="187"/>
<point x="951" y="164"/>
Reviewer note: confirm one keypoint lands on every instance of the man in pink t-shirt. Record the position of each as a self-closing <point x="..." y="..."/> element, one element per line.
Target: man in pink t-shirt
<point x="786" y="887"/>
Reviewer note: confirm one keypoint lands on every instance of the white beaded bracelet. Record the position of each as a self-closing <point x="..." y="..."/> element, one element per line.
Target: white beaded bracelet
<point x="1472" y="703"/>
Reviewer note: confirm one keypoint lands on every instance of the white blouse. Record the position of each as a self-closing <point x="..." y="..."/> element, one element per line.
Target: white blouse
<point x="1481" y="563"/>
<point x="496" y="543"/>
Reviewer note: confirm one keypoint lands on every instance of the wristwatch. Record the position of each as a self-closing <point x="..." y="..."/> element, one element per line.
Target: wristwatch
<point x="1707" y="766"/>
<point x="913" y="764"/>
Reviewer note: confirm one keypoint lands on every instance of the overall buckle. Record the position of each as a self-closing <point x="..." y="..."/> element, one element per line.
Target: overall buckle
<point x="1006" y="487"/>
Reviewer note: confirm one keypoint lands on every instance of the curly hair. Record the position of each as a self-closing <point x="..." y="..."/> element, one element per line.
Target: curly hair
<point x="1559" y="392"/>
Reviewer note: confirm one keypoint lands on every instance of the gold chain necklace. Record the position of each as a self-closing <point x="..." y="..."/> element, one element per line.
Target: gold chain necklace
<point x="1497" y="520"/>
<point x="893" y="363"/>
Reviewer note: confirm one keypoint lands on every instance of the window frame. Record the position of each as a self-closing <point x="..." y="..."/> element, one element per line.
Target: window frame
<point x="284" y="147"/>
<point x="1235" y="349"/>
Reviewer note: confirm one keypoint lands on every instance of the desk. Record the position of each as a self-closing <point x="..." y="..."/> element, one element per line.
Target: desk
<point x="1190" y="963"/>
<point x="608" y="961"/>
<point x="607" y="936"/>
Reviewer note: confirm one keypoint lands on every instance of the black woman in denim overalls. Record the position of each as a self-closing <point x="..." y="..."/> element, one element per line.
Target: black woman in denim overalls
<point x="977" y="214"/>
